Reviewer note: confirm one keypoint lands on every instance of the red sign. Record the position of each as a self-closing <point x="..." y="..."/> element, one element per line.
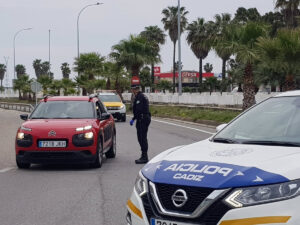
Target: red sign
<point x="156" y="70"/>
<point x="135" y="80"/>
<point x="189" y="74"/>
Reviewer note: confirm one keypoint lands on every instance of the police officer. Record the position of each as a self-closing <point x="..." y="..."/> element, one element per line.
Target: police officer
<point x="142" y="116"/>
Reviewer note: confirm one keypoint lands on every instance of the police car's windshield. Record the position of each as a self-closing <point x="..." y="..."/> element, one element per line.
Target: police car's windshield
<point x="64" y="110"/>
<point x="273" y="122"/>
<point x="110" y="98"/>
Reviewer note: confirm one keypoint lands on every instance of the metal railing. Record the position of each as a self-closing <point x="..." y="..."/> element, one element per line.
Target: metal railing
<point x="16" y="106"/>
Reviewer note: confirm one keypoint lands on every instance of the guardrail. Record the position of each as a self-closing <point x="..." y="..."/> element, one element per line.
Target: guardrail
<point x="17" y="106"/>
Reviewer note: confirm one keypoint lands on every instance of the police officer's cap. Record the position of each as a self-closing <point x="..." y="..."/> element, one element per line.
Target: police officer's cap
<point x="134" y="86"/>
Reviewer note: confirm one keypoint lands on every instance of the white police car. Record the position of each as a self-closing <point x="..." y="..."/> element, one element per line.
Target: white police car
<point x="246" y="174"/>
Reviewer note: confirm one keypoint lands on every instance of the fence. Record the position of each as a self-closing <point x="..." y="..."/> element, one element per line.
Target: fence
<point x="16" y="106"/>
<point x="226" y="99"/>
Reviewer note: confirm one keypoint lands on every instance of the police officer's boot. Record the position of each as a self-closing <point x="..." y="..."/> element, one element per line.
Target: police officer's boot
<point x="143" y="159"/>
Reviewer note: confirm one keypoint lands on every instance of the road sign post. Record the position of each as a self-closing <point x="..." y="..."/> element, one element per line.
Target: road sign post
<point x="35" y="87"/>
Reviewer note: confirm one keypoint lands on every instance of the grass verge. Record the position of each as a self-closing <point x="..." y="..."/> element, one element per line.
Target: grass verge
<point x="198" y="115"/>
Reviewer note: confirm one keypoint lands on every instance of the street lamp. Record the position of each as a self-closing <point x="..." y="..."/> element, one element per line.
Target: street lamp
<point x="78" y="24"/>
<point x="15" y="48"/>
<point x="179" y="52"/>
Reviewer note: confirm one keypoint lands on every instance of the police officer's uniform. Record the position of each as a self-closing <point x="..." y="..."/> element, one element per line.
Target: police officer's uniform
<point x="143" y="119"/>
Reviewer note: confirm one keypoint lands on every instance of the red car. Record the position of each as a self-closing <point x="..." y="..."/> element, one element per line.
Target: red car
<point x="66" y="130"/>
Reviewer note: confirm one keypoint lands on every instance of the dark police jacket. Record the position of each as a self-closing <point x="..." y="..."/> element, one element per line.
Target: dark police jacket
<point x="140" y="107"/>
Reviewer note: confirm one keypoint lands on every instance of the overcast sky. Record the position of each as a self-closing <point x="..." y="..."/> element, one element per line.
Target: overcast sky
<point x="100" y="28"/>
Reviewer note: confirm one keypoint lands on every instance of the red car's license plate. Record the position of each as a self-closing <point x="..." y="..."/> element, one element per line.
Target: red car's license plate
<point x="52" y="144"/>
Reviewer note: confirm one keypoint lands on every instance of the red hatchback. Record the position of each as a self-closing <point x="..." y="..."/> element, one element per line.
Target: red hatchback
<point x="66" y="130"/>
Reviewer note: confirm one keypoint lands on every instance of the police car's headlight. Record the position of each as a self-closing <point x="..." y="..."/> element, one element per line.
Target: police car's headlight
<point x="263" y="194"/>
<point x="122" y="107"/>
<point x="141" y="185"/>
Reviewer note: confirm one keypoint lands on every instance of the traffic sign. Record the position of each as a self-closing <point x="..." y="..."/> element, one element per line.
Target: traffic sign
<point x="36" y="87"/>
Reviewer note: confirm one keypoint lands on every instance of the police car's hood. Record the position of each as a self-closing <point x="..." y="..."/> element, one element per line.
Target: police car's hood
<point x="218" y="165"/>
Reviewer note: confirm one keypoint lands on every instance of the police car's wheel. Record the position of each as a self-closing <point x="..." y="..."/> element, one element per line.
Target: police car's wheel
<point x="113" y="149"/>
<point x="124" y="118"/>
<point x="22" y="165"/>
<point x="99" y="156"/>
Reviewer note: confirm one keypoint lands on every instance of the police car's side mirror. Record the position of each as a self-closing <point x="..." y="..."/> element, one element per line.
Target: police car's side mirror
<point x="220" y="127"/>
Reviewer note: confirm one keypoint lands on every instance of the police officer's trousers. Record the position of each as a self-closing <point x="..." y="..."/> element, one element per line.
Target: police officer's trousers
<point x="142" y="131"/>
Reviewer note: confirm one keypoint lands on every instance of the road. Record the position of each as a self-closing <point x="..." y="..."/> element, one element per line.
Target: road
<point x="78" y="195"/>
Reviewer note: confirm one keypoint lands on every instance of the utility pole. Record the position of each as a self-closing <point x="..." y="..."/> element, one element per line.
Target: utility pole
<point x="49" y="55"/>
<point x="179" y="51"/>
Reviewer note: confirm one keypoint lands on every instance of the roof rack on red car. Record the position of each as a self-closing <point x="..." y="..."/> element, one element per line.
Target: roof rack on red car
<point x="46" y="97"/>
<point x="92" y="96"/>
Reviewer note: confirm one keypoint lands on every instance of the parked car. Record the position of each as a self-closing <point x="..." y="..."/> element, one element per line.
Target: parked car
<point x="66" y="130"/>
<point x="247" y="173"/>
<point x="114" y="105"/>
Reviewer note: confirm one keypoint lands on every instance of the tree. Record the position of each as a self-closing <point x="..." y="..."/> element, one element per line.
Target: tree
<point x="145" y="78"/>
<point x="208" y="67"/>
<point x="164" y="85"/>
<point x="276" y="20"/>
<point x="46" y="83"/>
<point x="244" y="45"/>
<point x="223" y="34"/>
<point x="22" y="84"/>
<point x="2" y="73"/>
<point x="133" y="54"/>
<point x="65" y="69"/>
<point x="212" y="83"/>
<point x="68" y="86"/>
<point x="243" y="16"/>
<point x="200" y="39"/>
<point x="281" y="55"/>
<point x="156" y="37"/>
<point x="290" y="9"/>
<point x="41" y="68"/>
<point x="88" y="66"/>
<point x="20" y="70"/>
<point x="170" y="21"/>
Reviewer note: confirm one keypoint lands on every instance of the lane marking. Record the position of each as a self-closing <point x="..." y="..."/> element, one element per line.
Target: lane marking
<point x="191" y="128"/>
<point x="6" y="169"/>
<point x="175" y="124"/>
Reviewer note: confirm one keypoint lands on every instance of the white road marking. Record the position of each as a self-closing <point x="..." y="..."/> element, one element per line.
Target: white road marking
<point x="6" y="169"/>
<point x="191" y="128"/>
<point x="175" y="124"/>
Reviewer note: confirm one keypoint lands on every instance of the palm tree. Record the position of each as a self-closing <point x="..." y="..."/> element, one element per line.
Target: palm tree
<point x="133" y="54"/>
<point x="290" y="8"/>
<point x="37" y="65"/>
<point x="200" y="39"/>
<point x="68" y="86"/>
<point x="244" y="45"/>
<point x="20" y="70"/>
<point x="155" y="36"/>
<point x="46" y="82"/>
<point x="22" y="84"/>
<point x="2" y="73"/>
<point x="282" y="55"/>
<point x="223" y="34"/>
<point x="65" y="69"/>
<point x="208" y="68"/>
<point x="170" y="21"/>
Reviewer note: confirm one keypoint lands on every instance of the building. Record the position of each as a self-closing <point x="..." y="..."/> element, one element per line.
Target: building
<point x="189" y="78"/>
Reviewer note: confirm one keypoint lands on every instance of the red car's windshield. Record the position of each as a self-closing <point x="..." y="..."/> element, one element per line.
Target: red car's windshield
<point x="64" y="110"/>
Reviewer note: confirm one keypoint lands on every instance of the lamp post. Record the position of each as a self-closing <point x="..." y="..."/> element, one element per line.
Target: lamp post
<point x="15" y="48"/>
<point x="179" y="52"/>
<point x="78" y="24"/>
